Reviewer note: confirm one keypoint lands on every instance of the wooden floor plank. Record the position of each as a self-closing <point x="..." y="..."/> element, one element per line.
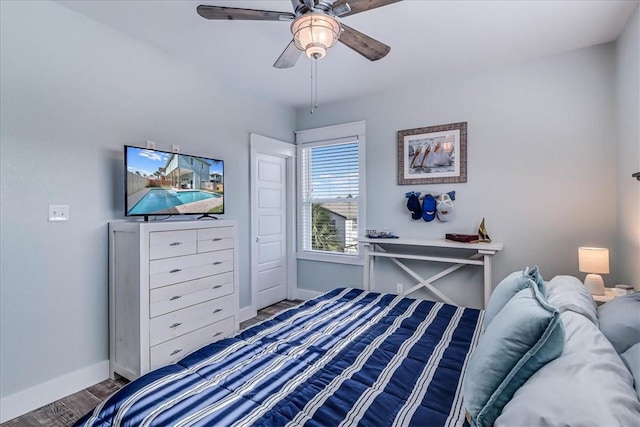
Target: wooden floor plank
<point x="80" y="401"/>
<point x="55" y="414"/>
<point x="26" y="420"/>
<point x="107" y="388"/>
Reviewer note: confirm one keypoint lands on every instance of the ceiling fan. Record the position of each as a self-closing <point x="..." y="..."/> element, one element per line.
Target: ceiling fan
<point x="314" y="27"/>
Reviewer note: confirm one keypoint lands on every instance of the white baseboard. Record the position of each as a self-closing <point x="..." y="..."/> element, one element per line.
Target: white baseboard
<point x="247" y="313"/>
<point x="20" y="403"/>
<point x="305" y="294"/>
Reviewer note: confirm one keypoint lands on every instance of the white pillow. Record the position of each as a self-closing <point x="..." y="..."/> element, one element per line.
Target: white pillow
<point x="588" y="385"/>
<point x="567" y="293"/>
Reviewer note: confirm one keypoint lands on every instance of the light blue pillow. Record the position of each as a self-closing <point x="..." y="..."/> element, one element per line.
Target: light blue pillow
<point x="620" y="321"/>
<point x="523" y="337"/>
<point x="631" y="358"/>
<point x="508" y="287"/>
<point x="535" y="274"/>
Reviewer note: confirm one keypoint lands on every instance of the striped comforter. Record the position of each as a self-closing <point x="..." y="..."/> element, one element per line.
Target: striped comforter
<point x="348" y="357"/>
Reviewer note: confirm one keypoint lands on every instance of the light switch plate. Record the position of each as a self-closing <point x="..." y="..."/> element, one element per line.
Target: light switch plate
<point x="58" y="212"/>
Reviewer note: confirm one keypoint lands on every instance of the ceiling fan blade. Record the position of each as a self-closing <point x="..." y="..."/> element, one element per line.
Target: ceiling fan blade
<point x="219" y="12"/>
<point x="358" y="6"/>
<point x="366" y="46"/>
<point x="288" y="57"/>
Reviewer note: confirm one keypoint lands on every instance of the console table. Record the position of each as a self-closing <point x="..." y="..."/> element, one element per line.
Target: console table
<point x="396" y="249"/>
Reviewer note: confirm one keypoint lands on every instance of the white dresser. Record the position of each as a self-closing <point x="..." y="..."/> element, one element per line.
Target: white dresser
<point x="173" y="288"/>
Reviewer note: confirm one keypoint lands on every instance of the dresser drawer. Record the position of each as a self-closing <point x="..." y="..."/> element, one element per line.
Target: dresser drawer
<point x="165" y="244"/>
<point x="175" y="297"/>
<point x="176" y="323"/>
<point x="175" y="349"/>
<point x="169" y="271"/>
<point x="215" y="239"/>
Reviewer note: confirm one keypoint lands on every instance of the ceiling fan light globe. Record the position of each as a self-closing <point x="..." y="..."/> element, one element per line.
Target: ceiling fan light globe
<point x="314" y="33"/>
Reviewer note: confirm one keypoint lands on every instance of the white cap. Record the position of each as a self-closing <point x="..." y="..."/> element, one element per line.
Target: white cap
<point x="444" y="207"/>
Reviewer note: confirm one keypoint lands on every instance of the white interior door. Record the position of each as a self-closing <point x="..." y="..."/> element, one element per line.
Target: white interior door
<point x="269" y="211"/>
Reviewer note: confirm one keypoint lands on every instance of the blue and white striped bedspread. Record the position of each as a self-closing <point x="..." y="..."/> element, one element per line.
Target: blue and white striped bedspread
<point x="346" y="358"/>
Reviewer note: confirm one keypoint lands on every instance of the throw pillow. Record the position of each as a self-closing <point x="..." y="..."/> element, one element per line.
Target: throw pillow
<point x="508" y="287"/>
<point x="524" y="336"/>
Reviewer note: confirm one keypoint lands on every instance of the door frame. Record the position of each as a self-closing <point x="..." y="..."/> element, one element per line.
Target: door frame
<point x="274" y="147"/>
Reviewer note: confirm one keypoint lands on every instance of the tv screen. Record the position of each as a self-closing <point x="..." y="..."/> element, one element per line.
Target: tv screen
<point x="163" y="183"/>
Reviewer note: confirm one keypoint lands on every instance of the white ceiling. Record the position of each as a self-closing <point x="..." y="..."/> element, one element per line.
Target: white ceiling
<point x="428" y="39"/>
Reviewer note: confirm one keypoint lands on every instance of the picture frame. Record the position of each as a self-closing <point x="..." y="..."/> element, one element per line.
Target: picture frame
<point x="433" y="154"/>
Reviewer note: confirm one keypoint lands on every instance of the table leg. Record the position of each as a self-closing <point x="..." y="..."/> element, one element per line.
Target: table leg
<point x="367" y="270"/>
<point x="487" y="279"/>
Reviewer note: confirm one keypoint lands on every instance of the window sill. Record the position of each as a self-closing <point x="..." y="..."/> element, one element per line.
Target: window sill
<point x="337" y="259"/>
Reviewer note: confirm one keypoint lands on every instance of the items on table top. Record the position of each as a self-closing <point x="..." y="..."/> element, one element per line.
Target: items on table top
<point x="374" y="234"/>
<point x="481" y="237"/>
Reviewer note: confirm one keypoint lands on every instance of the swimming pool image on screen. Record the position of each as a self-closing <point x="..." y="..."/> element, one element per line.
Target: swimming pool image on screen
<point x="163" y="183"/>
<point x="159" y="200"/>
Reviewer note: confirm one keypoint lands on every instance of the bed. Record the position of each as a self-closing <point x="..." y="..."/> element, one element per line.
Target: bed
<point x="346" y="357"/>
<point x="352" y="357"/>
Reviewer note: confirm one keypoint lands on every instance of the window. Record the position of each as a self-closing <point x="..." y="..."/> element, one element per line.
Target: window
<point x="331" y="189"/>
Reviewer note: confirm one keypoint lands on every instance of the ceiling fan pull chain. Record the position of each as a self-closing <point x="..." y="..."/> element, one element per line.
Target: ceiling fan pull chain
<point x="311" y="92"/>
<point x="314" y="85"/>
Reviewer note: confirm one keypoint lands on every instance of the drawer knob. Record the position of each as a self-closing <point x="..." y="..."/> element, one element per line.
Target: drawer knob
<point x="217" y="239"/>
<point x="175" y="297"/>
<point x="175" y="244"/>
<point x="217" y="287"/>
<point x="175" y="270"/>
<point x="217" y="263"/>
<point x="217" y="333"/>
<point x="174" y="352"/>
<point x="175" y="325"/>
<point x="217" y="310"/>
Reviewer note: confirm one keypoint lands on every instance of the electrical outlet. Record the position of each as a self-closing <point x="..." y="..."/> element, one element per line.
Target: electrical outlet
<point x="151" y="145"/>
<point x="58" y="212"/>
<point x="399" y="288"/>
<point x="175" y="148"/>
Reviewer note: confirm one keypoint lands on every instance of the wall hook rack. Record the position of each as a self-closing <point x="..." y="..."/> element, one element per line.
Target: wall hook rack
<point x="452" y="195"/>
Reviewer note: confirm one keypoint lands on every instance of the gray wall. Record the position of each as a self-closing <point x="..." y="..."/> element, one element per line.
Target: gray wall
<point x="627" y="262"/>
<point x="73" y="92"/>
<point x="541" y="163"/>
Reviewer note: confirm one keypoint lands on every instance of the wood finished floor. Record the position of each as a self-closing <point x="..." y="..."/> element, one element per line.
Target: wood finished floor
<point x="66" y="411"/>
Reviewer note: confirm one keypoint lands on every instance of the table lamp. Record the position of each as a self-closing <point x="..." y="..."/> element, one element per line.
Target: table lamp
<point x="594" y="261"/>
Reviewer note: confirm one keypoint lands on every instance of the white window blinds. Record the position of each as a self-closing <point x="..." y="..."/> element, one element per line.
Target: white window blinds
<point x="330" y="180"/>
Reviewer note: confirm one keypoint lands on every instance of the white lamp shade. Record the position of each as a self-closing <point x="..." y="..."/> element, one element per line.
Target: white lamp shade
<point x="593" y="260"/>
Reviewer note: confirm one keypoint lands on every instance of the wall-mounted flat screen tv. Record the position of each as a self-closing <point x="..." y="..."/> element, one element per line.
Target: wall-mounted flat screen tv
<point x="163" y="183"/>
